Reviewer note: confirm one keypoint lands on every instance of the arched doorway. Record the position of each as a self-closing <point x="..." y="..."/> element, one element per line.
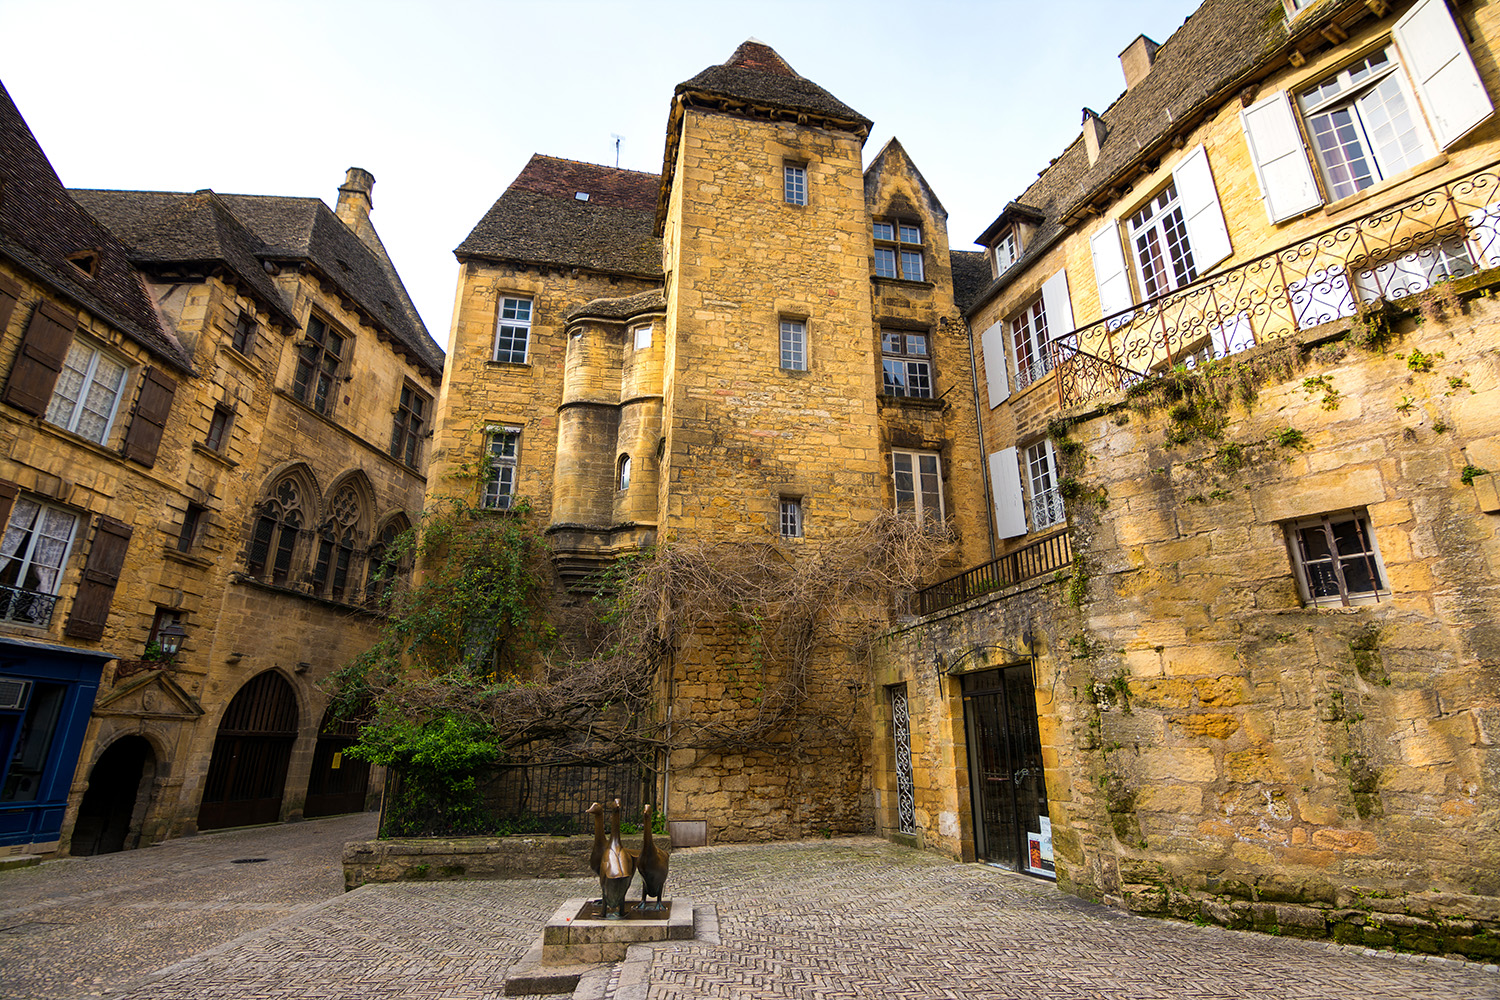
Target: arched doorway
<point x="114" y="807"/>
<point x="247" y="774"/>
<point x="338" y="782"/>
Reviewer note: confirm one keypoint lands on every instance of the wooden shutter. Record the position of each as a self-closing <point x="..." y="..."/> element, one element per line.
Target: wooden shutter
<point x="96" y="591"/>
<point x="40" y="359"/>
<point x="8" y="491"/>
<point x="1433" y="50"/>
<point x="1058" y="305"/>
<point x="1110" y="274"/>
<point x="151" y="409"/>
<point x="1005" y="483"/>
<point x="996" y="377"/>
<point x="10" y="294"/>
<point x="1207" y="233"/>
<point x="1281" y="164"/>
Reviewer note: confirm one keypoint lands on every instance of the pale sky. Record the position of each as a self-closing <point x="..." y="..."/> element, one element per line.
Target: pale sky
<point x="444" y="101"/>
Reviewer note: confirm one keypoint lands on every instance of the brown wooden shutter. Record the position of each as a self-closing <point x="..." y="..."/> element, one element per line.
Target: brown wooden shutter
<point x="10" y="294"/>
<point x="96" y="591"/>
<point x="151" y="409"/>
<point x="48" y="336"/>
<point x="8" y="491"/>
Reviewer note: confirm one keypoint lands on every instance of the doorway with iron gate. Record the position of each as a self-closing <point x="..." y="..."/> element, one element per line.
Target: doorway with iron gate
<point x="247" y="773"/>
<point x="1007" y="783"/>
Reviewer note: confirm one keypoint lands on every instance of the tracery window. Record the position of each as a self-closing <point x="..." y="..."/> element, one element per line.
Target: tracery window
<point x="275" y="536"/>
<point x="336" y="544"/>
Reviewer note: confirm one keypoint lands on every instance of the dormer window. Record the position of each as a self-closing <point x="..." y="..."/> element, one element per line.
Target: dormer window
<point x="86" y="261"/>
<point x="1005" y="252"/>
<point x="901" y="254"/>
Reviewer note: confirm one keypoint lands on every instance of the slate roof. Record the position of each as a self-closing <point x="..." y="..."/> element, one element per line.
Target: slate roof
<point x="1222" y="43"/>
<point x="755" y="73"/>
<point x="623" y="308"/>
<point x="241" y="232"/>
<point x="41" y="226"/>
<point x="971" y="273"/>
<point x="539" y="219"/>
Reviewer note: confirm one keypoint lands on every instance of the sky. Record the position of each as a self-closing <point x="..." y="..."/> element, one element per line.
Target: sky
<point x="444" y="101"/>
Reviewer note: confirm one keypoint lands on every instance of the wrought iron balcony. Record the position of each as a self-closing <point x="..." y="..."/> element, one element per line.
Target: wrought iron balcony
<point x="1047" y="555"/>
<point x="26" y="607"/>
<point x="1445" y="232"/>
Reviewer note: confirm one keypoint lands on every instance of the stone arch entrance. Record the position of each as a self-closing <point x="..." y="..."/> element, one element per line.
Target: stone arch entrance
<point x="338" y="783"/>
<point x="247" y="775"/>
<point x="119" y="793"/>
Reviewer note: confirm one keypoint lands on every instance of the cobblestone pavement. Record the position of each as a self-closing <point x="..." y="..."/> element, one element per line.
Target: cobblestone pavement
<point x="820" y="921"/>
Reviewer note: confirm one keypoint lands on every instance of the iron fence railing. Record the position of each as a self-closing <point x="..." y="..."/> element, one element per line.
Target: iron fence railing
<point x="26" y="607"/>
<point x="551" y="798"/>
<point x="1043" y="556"/>
<point x="1445" y="232"/>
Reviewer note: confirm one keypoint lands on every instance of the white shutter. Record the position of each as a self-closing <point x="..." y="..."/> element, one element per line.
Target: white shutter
<point x="1058" y="305"/>
<point x="1207" y="234"/>
<point x="1110" y="273"/>
<point x="1005" y="482"/>
<point x="992" y="341"/>
<point x="1281" y="164"/>
<point x="1433" y="50"/>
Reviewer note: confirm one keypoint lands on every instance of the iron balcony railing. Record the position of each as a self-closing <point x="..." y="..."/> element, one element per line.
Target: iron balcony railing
<point x="26" y="607"/>
<point x="1445" y="232"/>
<point x="1047" y="555"/>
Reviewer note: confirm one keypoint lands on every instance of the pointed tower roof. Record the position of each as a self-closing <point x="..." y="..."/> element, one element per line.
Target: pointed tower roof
<point x="757" y="76"/>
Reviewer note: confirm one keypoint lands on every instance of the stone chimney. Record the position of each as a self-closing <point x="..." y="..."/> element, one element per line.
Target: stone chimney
<point x="355" y="201"/>
<point x="1137" y="60"/>
<point x="1093" y="134"/>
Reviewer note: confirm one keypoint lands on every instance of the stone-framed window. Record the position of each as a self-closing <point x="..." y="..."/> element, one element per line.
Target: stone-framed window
<point x="1028" y="333"/>
<point x="622" y="473"/>
<point x="794" y="183"/>
<point x="339" y="539"/>
<point x="1043" y="487"/>
<point x="243" y="338"/>
<point x="503" y="448"/>
<point x="641" y="336"/>
<point x="790" y="517"/>
<point x="411" y="425"/>
<point x="898" y="251"/>
<point x="87" y="393"/>
<point x="319" y="357"/>
<point x="34" y="550"/>
<point x="794" y="345"/>
<point x="1336" y="559"/>
<point x="192" y="522"/>
<point x="906" y="365"/>
<point x="219" y="425"/>
<point x="513" y="330"/>
<point x="1005" y="253"/>
<point x="1158" y="237"/>
<point x="274" y="538"/>
<point x="919" y="484"/>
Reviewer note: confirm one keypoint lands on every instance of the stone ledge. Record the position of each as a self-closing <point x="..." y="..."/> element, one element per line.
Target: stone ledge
<point x="450" y="859"/>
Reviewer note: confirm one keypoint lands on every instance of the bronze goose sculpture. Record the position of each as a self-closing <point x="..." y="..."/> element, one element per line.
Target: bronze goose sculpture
<point x="596" y="857"/>
<point x="653" y="865"/>
<point x="616" y="868"/>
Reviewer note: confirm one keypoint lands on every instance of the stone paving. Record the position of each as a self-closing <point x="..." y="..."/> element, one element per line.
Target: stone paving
<point x="825" y="920"/>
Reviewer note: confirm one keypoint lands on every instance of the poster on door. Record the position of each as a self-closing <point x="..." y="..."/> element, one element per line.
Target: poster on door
<point x="1039" y="849"/>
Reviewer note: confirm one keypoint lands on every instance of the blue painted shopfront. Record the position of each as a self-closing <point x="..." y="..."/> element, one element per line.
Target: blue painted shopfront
<point x="46" y="694"/>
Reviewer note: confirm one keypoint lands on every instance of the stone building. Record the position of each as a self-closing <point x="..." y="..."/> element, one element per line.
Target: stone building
<point x="761" y="345"/>
<point x="215" y="417"/>
<point x="1237" y="657"/>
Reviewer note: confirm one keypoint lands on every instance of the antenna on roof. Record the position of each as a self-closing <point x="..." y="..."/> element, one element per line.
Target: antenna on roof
<point x="618" y="139"/>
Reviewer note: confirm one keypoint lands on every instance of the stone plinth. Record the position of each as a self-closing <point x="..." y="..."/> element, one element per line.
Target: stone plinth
<point x="573" y="943"/>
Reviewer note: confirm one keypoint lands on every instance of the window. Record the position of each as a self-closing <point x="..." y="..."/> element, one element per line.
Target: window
<point x="1028" y="333"/>
<point x="318" y="359"/>
<point x="275" y="534"/>
<point x="1159" y="239"/>
<point x="796" y="185"/>
<point x="165" y="618"/>
<point x="1005" y="252"/>
<point x="500" y="489"/>
<point x="919" y="488"/>
<point x="513" y="330"/>
<point x="32" y="555"/>
<point x="905" y="248"/>
<point x="385" y="564"/>
<point x="87" y="392"/>
<point x="622" y="480"/>
<point x="1364" y="125"/>
<point x="906" y="370"/>
<point x="411" y="424"/>
<point x="218" y="427"/>
<point x="243" y="339"/>
<point x="643" y="337"/>
<point x="794" y="345"/>
<point x="191" y="519"/>
<point x="1336" y="559"/>
<point x="791" y="517"/>
<point x="336" y="544"/>
<point x="1041" y="475"/>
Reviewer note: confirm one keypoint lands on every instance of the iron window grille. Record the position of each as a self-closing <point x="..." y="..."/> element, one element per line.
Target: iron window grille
<point x="318" y="360"/>
<point x="1336" y="560"/>
<point x="513" y="331"/>
<point x="906" y="369"/>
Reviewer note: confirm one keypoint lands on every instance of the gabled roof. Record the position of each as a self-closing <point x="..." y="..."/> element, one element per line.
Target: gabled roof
<point x="41" y="227"/>
<point x="757" y="75"/>
<point x="894" y="157"/>
<point x="541" y="220"/>
<point x="1222" y="46"/>
<point x="243" y="232"/>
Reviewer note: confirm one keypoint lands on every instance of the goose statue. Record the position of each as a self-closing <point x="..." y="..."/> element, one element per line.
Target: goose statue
<point x="616" y="868"/>
<point x="653" y="863"/>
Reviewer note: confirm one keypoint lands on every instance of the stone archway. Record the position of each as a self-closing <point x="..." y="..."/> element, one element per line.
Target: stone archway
<point x="119" y="793"/>
<point x="338" y="783"/>
<point x="247" y="775"/>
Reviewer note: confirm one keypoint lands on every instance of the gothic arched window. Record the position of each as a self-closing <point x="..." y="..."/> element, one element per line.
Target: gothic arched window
<point x="336" y="544"/>
<point x="386" y="567"/>
<point x="275" y="536"/>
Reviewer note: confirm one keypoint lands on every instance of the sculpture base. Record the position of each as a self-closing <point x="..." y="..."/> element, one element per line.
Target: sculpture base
<point x="577" y="939"/>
